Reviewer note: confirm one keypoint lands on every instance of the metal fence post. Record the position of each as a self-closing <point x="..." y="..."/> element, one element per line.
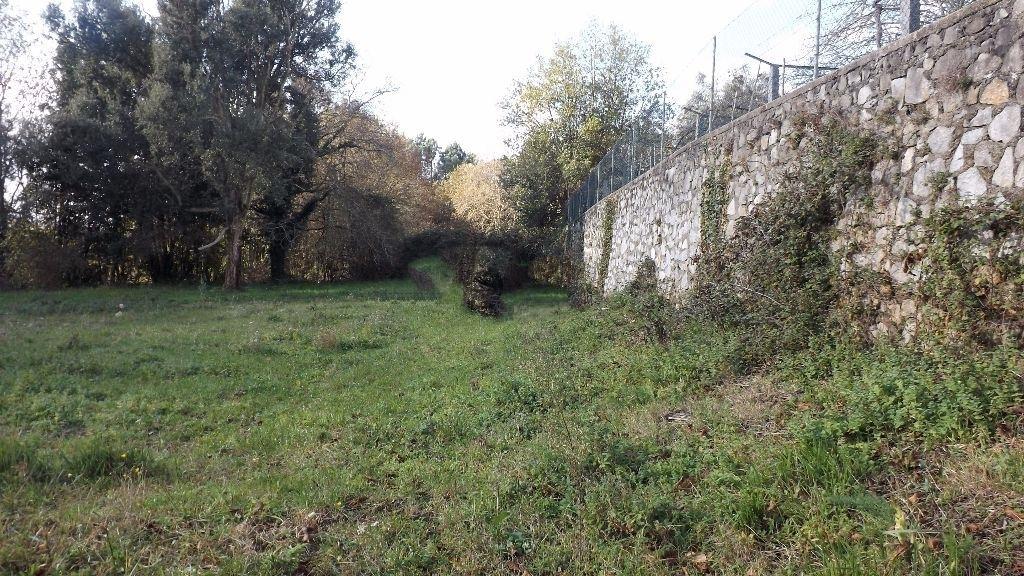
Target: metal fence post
<point x="714" y="62"/>
<point x="817" y="43"/>
<point x="611" y="185"/>
<point x="664" y="113"/>
<point x="632" y="154"/>
<point x="910" y="15"/>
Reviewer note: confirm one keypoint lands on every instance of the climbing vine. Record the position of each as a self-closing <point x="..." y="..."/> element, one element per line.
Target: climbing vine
<point x="972" y="274"/>
<point x="776" y="277"/>
<point x="713" y="200"/>
<point x="607" y="228"/>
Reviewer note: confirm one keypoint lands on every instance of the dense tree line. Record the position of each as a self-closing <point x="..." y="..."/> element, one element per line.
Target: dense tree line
<point x="210" y="143"/>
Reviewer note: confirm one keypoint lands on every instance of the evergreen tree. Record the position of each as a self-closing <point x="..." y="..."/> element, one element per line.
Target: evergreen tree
<point x="451" y="158"/>
<point x="90" y="182"/>
<point x="256" y="74"/>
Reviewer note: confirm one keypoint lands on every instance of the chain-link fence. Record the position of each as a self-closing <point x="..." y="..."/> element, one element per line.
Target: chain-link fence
<point x="772" y="48"/>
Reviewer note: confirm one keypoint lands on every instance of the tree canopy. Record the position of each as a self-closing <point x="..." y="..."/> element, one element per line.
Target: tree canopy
<point x="206" y="143"/>
<point x="569" y="110"/>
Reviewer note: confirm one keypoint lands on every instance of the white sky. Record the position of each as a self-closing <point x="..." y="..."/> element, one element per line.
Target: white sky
<point x="453" y="61"/>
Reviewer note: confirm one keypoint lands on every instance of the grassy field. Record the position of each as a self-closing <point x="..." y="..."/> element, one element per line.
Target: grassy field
<point x="375" y="429"/>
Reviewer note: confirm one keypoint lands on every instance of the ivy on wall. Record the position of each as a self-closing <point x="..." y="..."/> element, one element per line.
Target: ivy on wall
<point x="775" y="277"/>
<point x="972" y="274"/>
<point x="607" y="229"/>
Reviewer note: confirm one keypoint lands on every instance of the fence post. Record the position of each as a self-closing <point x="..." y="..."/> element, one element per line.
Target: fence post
<point x="910" y="15"/>
<point x="632" y="154"/>
<point x="817" y="43"/>
<point x="714" y="62"/>
<point x="611" y="187"/>
<point x="664" y="121"/>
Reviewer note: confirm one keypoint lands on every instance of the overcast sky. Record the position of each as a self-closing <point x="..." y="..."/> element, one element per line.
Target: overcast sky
<point x="452" y="61"/>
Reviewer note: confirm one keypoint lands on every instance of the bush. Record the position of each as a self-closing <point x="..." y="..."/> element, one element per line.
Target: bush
<point x="36" y="259"/>
<point x="776" y="277"/>
<point x="973" y="274"/>
<point x="935" y="393"/>
<point x="483" y="275"/>
<point x="424" y="283"/>
<point x="651" y="316"/>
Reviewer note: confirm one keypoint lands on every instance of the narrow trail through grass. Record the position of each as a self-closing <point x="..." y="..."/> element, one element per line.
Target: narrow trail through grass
<point x="374" y="429"/>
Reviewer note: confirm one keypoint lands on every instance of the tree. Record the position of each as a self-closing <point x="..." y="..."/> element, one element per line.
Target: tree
<point x="258" y="71"/>
<point x="12" y="46"/>
<point x="568" y="112"/>
<point x="451" y="158"/>
<point x="478" y="199"/>
<point x="428" y="150"/>
<point x="437" y="164"/>
<point x="852" y="28"/>
<point x="379" y="199"/>
<point x="743" y="92"/>
<point x="172" y="118"/>
<point x="89" y="181"/>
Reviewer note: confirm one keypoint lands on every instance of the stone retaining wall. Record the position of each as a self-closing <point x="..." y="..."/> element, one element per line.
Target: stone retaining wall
<point x="946" y="99"/>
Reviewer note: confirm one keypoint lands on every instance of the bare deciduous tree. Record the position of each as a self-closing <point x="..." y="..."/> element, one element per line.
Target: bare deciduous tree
<point x="852" y="28"/>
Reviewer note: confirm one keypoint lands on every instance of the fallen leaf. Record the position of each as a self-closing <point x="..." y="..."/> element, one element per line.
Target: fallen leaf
<point x="685" y="484"/>
<point x="1013" y="514"/>
<point x="900" y="550"/>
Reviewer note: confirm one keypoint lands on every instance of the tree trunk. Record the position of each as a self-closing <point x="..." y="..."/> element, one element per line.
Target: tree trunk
<point x="279" y="246"/>
<point x="4" y="222"/>
<point x="233" y="270"/>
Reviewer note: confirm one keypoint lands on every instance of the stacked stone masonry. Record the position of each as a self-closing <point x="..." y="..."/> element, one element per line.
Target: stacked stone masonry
<point x="948" y="96"/>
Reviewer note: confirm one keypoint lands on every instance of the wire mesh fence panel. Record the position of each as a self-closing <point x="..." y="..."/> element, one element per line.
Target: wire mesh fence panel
<point x="770" y="49"/>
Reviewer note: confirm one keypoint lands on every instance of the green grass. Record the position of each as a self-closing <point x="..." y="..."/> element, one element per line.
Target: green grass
<point x="370" y="429"/>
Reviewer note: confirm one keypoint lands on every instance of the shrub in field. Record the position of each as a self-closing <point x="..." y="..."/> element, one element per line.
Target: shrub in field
<point x="935" y="393"/>
<point x="485" y="282"/>
<point x="35" y="259"/>
<point x="422" y="280"/>
<point x="485" y="272"/>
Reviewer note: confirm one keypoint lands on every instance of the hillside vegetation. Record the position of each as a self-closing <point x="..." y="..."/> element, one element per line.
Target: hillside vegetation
<point x="380" y="428"/>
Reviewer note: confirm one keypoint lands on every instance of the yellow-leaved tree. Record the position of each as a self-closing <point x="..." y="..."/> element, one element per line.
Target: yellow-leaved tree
<point x="478" y="199"/>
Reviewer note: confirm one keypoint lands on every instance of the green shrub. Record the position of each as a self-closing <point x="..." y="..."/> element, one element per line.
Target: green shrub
<point x="972" y="284"/>
<point x="36" y="259"/>
<point x="650" y="316"/>
<point x="935" y="393"/>
<point x="775" y="277"/>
